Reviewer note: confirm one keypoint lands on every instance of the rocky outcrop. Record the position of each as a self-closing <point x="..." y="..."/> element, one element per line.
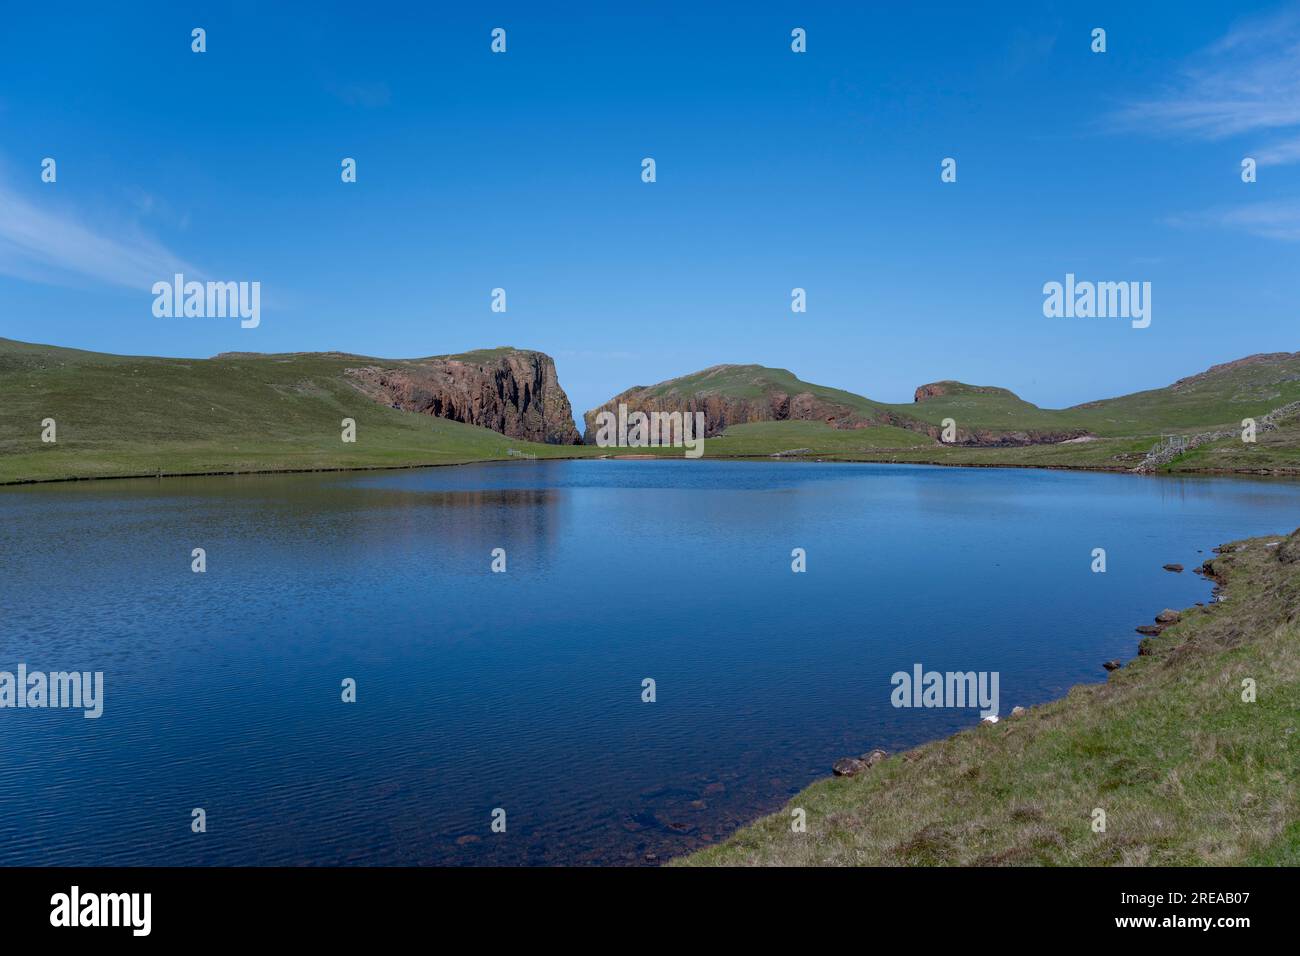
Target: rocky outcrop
<point x="510" y="391"/>
<point x="933" y="390"/>
<point x="948" y="386"/>
<point x="852" y="766"/>
<point x="722" y="410"/>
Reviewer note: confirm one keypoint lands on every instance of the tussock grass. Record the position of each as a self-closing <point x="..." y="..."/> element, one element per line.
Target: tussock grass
<point x="1186" y="772"/>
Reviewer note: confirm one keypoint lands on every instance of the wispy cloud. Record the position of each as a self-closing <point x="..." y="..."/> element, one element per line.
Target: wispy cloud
<point x="1269" y="220"/>
<point x="1246" y="83"/>
<point x="1276" y="220"/>
<point x="39" y="243"/>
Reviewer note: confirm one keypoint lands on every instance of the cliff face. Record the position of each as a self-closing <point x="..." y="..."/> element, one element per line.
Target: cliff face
<point x="924" y="393"/>
<point x="509" y="391"/>
<point x="721" y="411"/>
<point x="736" y="395"/>
<point x="986" y="437"/>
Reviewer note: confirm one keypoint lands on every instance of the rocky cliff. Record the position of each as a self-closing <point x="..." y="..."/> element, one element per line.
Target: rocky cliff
<point x="511" y="391"/>
<point x="924" y="393"/>
<point x="713" y="392"/>
<point x="738" y="394"/>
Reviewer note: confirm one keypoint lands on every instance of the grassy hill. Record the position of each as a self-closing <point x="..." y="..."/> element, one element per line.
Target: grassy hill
<point x="754" y="381"/>
<point x="1115" y="433"/>
<point x="1186" y="772"/>
<point x="131" y="415"/>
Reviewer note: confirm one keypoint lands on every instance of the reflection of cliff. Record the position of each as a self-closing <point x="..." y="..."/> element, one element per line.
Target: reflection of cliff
<point x="460" y="528"/>
<point x="509" y="391"/>
<point x="378" y="527"/>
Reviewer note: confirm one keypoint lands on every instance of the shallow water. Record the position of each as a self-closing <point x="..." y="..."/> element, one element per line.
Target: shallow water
<point x="522" y="691"/>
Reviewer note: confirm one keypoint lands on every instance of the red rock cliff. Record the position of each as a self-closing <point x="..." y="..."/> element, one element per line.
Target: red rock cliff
<point x="510" y="391"/>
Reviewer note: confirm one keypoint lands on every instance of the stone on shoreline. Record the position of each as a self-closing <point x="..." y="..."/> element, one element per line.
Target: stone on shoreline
<point x="848" y="767"/>
<point x="873" y="757"/>
<point x="1168" y="616"/>
<point x="852" y="766"/>
<point x="1112" y="665"/>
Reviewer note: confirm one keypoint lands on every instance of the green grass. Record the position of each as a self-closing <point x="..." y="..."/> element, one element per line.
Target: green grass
<point x="1272" y="450"/>
<point x="757" y="439"/>
<point x="1124" y="428"/>
<point x="126" y="415"/>
<point x="753" y="381"/>
<point x="1186" y="772"/>
<point x="1218" y="398"/>
<point x="122" y="415"/>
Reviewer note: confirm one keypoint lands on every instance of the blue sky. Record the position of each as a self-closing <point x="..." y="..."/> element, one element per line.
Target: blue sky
<point x="775" y="170"/>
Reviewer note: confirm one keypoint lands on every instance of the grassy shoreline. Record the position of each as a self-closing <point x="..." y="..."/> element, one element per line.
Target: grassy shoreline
<point x="137" y="416"/>
<point x="566" y="453"/>
<point x="1187" y="772"/>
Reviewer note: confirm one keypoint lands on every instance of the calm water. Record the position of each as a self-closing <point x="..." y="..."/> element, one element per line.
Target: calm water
<point x="523" y="690"/>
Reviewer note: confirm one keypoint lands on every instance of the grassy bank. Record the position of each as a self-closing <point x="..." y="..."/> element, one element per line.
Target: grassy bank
<point x="1275" y="452"/>
<point x="119" y="416"/>
<point x="122" y="416"/>
<point x="1185" y="770"/>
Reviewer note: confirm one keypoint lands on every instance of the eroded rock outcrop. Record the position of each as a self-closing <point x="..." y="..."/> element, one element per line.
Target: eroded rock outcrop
<point x="721" y="410"/>
<point x="511" y="391"/>
<point x="739" y="394"/>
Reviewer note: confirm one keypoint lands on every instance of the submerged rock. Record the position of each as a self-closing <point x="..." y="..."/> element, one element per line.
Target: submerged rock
<point x="1176" y="568"/>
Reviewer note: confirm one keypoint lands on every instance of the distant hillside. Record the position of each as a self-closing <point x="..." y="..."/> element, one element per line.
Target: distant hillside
<point x="731" y="395"/>
<point x="122" y="415"/>
<point x="240" y="412"/>
<point x="984" y="415"/>
<point x="743" y="394"/>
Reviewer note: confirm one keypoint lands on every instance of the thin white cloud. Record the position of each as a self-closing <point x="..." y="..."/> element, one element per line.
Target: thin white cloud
<point x="1277" y="220"/>
<point x="1279" y="154"/>
<point x="1269" y="220"/>
<point x="40" y="244"/>
<point x="1246" y="83"/>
